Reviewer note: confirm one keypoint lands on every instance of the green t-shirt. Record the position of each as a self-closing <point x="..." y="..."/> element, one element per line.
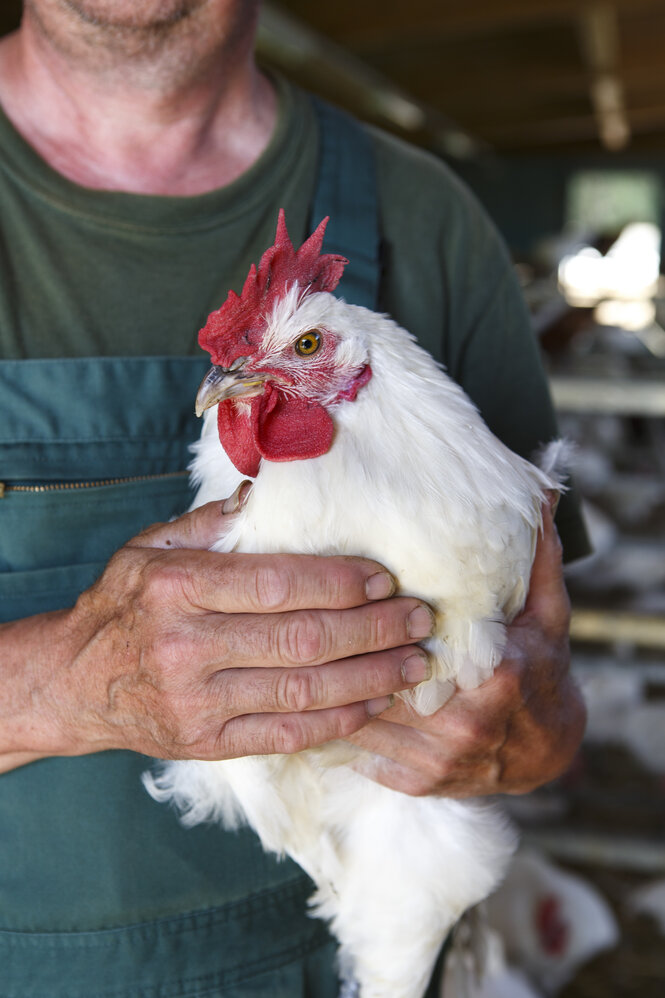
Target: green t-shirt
<point x="88" y="273"/>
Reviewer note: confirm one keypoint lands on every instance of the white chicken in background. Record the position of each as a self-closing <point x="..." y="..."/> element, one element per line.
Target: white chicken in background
<point x="358" y="443"/>
<point x="619" y="711"/>
<point x="476" y="965"/>
<point x="550" y="921"/>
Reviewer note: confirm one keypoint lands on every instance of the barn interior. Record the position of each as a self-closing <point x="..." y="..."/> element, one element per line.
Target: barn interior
<point x="553" y="112"/>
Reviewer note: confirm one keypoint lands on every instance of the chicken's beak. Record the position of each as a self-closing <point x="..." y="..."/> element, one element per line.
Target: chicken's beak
<point x="221" y="383"/>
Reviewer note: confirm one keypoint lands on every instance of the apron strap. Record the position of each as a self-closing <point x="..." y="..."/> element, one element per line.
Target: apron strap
<point x="346" y="190"/>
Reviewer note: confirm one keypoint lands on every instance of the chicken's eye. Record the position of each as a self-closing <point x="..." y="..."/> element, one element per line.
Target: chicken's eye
<point x="308" y="343"/>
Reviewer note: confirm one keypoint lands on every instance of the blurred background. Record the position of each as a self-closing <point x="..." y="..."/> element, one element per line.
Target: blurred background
<point x="553" y="111"/>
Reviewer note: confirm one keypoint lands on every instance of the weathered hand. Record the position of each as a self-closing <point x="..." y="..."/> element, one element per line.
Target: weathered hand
<point x="517" y="731"/>
<point x="180" y="652"/>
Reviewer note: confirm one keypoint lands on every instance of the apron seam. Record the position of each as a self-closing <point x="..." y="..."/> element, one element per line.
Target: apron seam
<point x="212" y="982"/>
<point x="216" y="914"/>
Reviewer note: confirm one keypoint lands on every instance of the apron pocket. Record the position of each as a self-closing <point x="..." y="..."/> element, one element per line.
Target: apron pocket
<point x="55" y="543"/>
<point x="42" y="589"/>
<point x="263" y="945"/>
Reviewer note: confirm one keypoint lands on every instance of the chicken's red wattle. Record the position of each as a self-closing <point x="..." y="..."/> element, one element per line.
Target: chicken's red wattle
<point x="273" y="427"/>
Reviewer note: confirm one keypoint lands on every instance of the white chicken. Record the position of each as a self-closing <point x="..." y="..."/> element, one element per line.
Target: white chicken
<point x="550" y="921"/>
<point x="359" y="443"/>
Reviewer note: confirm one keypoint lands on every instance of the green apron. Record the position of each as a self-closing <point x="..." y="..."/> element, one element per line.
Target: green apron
<point x="103" y="894"/>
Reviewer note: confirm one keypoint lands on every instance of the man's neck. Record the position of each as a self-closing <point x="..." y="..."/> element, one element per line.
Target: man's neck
<point x="177" y="109"/>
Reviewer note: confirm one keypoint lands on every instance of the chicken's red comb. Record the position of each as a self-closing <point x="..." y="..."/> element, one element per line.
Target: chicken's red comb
<point x="240" y="321"/>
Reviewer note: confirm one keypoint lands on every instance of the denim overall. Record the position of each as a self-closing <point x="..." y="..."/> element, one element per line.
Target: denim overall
<point x="103" y="894"/>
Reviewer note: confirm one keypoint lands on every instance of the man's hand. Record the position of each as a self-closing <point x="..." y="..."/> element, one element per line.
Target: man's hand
<point x="517" y="731"/>
<point x="180" y="652"/>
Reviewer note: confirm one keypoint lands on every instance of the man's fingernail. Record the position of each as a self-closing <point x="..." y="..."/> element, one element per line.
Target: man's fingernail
<point x="420" y="622"/>
<point x="378" y="705"/>
<point x="379" y="586"/>
<point x="416" y="668"/>
<point x="236" y="502"/>
<point x="554" y="498"/>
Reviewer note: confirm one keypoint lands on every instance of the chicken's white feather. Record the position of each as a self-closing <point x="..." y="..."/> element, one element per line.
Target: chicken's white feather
<point x="415" y="480"/>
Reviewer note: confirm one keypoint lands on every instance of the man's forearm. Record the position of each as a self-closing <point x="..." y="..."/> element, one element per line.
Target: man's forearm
<point x="31" y="651"/>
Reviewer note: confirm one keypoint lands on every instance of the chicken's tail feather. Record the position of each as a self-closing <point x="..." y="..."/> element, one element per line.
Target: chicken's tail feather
<point x="556" y="460"/>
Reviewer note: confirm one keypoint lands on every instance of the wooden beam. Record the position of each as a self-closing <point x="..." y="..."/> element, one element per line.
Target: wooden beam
<point x="573" y="131"/>
<point x="605" y="626"/>
<point x="501" y="87"/>
<point x="608" y="850"/>
<point x="625" y="396"/>
<point x="535" y="128"/>
<point x="529" y="93"/>
<point x="373" y="23"/>
<point x="289" y="44"/>
<point x="549" y="59"/>
<point x="647" y="118"/>
<point x="550" y="64"/>
<point x="539" y="131"/>
<point x="599" y="35"/>
<point x="599" y="31"/>
<point x="461" y="90"/>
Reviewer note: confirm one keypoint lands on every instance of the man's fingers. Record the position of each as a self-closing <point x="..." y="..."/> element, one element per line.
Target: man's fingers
<point x="252" y="583"/>
<point x="256" y="583"/>
<point x="387" y="739"/>
<point x="553" y="498"/>
<point x="197" y="530"/>
<point x="391" y="774"/>
<point x="288" y="733"/>
<point x="311" y="637"/>
<point x="335" y="684"/>
<point x="547" y="598"/>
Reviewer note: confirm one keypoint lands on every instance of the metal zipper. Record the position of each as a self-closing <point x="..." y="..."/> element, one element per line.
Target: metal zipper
<point x="66" y="486"/>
